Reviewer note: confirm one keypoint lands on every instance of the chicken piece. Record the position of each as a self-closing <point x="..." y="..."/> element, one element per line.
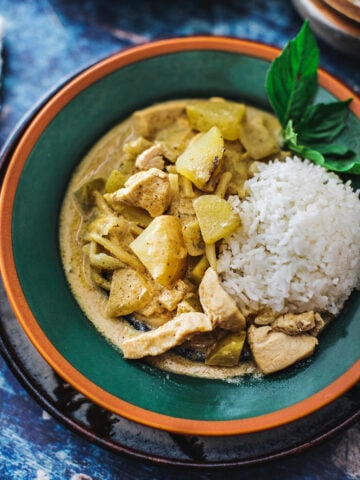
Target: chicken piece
<point x="274" y="351"/>
<point x="150" y="158"/>
<point x="183" y="208"/>
<point x="148" y="189"/>
<point x="153" y="314"/>
<point x="265" y="318"/>
<point x="218" y="305"/>
<point x="172" y="333"/>
<point x="169" y="298"/>
<point x="320" y="324"/>
<point x="174" y="139"/>
<point x="293" y="324"/>
<point x="128" y="292"/>
<point x="149" y="121"/>
<point x="258" y="140"/>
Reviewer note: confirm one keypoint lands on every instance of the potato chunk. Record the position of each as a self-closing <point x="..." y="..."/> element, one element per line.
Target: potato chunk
<point x="216" y="217"/>
<point x="202" y="158"/>
<point x="160" y="247"/>
<point x="227" y="116"/>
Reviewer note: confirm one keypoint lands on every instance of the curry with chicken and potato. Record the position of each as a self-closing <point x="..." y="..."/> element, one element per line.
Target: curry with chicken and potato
<point x="141" y="225"/>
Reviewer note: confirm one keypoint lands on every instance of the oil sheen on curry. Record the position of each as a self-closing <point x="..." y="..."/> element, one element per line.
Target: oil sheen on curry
<point x="143" y="224"/>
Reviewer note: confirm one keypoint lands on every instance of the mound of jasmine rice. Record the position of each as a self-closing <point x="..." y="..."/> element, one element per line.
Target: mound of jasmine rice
<point x="298" y="247"/>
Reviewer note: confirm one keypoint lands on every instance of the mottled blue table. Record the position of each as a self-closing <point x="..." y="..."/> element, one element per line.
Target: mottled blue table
<point x="46" y="41"/>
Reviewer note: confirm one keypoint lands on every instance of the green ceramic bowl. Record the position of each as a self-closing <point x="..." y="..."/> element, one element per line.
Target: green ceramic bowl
<point x="44" y="157"/>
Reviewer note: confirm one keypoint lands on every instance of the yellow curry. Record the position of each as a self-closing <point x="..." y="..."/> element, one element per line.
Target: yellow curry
<point x="141" y="225"/>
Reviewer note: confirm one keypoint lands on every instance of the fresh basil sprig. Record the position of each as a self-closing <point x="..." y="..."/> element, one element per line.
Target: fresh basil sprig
<point x="308" y="129"/>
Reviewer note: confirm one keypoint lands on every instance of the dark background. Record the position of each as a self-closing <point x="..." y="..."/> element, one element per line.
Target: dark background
<point x="44" y="42"/>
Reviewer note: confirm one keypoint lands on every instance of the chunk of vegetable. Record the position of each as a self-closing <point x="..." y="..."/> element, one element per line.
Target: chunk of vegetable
<point x="226" y="352"/>
<point x="223" y="184"/>
<point x="84" y="195"/>
<point x="217" y="219"/>
<point x="160" y="247"/>
<point x="174" y="139"/>
<point x="149" y="121"/>
<point x="192" y="236"/>
<point x="210" y="253"/>
<point x="137" y="146"/>
<point x="200" y="268"/>
<point x="136" y="215"/>
<point x="101" y="260"/>
<point x="258" y="140"/>
<point x="270" y="121"/>
<point x="115" y="181"/>
<point x="227" y="116"/>
<point x="202" y="158"/>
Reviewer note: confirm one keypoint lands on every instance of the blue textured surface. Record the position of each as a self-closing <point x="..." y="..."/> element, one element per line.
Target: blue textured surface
<point x="45" y="41"/>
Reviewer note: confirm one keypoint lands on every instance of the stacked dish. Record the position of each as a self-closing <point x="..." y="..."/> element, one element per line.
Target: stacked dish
<point x="39" y="170"/>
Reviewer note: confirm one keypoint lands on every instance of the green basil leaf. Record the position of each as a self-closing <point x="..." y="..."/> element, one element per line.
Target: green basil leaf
<point x="291" y="141"/>
<point x="323" y="122"/>
<point x="308" y="153"/>
<point x="348" y="165"/>
<point x="289" y="134"/>
<point x="334" y="150"/>
<point x="351" y="165"/>
<point x="333" y="157"/>
<point x="308" y="130"/>
<point x="313" y="155"/>
<point x="291" y="81"/>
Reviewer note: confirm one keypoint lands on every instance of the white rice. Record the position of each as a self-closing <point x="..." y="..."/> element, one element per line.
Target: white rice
<point x="298" y="248"/>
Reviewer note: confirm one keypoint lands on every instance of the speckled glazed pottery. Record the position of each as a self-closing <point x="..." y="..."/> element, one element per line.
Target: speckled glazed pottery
<point x="56" y="139"/>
